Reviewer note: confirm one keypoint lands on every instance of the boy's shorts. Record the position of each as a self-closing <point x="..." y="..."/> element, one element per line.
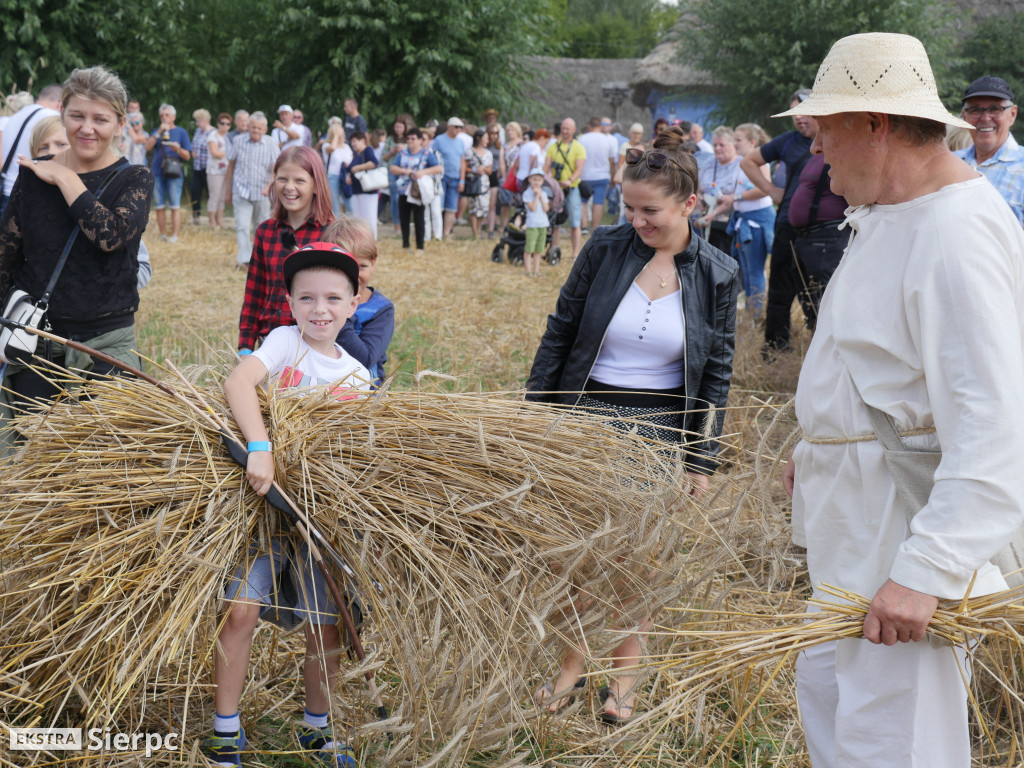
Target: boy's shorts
<point x="535" y="237"/>
<point x="599" y="189"/>
<point x="312" y="603"/>
<point x="167" y="193"/>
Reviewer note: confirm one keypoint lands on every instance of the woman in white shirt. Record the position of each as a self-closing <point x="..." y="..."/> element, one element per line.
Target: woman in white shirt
<point x="217" y="168"/>
<point x="339" y="157"/>
<point x="644" y="331"/>
<point x="753" y="221"/>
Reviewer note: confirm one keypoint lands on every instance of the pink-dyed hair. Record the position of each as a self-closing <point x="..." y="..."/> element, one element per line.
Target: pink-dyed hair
<point x="309" y="161"/>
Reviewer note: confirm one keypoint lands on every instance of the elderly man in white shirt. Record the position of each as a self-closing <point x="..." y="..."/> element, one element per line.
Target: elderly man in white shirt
<point x="251" y="158"/>
<point x="923" y="321"/>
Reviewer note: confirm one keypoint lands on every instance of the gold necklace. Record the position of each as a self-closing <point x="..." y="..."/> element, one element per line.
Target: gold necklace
<point x="664" y="282"/>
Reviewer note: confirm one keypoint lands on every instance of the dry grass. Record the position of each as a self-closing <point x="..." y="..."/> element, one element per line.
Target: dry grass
<point x="479" y="516"/>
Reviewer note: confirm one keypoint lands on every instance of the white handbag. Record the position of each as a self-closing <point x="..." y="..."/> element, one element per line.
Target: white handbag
<point x="373" y="179"/>
<point x="18" y="345"/>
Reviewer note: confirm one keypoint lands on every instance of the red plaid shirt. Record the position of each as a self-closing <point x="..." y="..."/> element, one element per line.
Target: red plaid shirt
<point x="265" y="307"/>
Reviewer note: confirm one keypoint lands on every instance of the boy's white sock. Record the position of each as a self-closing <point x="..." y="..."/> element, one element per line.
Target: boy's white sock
<point x="226" y="726"/>
<point x="315" y="721"/>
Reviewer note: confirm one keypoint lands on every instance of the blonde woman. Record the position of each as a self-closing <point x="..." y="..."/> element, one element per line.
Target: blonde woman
<point x="217" y="169"/>
<point x="97" y="295"/>
<point x="753" y="222"/>
<point x="200" y="159"/>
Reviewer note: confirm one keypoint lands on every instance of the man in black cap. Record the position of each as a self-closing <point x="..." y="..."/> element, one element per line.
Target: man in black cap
<point x="988" y="106"/>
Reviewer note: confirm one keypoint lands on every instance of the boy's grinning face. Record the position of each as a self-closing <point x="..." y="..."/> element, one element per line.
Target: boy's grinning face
<point x="321" y="301"/>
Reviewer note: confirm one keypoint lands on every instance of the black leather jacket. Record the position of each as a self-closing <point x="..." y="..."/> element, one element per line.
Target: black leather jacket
<point x="606" y="267"/>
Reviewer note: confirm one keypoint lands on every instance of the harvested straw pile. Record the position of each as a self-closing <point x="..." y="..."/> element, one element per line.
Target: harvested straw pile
<point x="496" y="530"/>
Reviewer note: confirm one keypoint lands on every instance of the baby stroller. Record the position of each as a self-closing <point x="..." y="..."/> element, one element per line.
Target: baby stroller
<point x="513" y="236"/>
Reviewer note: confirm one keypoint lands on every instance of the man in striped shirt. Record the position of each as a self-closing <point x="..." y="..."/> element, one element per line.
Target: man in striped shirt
<point x="251" y="158"/>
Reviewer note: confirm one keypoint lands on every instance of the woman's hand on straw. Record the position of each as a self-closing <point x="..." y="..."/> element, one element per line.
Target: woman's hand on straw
<point x="898" y="614"/>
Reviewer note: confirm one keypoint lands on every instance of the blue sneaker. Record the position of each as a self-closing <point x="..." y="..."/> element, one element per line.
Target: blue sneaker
<point x="225" y="751"/>
<point x="336" y="754"/>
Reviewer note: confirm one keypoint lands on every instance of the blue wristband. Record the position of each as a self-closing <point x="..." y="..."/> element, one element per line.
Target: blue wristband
<point x="244" y="352"/>
<point x="258" y="445"/>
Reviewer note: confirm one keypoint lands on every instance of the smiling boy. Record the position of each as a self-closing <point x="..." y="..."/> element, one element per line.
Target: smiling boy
<point x="322" y="280"/>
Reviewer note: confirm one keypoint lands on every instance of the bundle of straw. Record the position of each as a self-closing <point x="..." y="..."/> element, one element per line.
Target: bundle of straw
<point x="482" y="532"/>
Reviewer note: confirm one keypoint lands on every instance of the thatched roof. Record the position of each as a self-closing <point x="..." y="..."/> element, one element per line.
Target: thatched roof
<point x="665" y="69"/>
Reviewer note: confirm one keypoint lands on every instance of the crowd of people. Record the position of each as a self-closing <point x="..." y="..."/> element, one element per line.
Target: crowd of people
<point x="922" y="328"/>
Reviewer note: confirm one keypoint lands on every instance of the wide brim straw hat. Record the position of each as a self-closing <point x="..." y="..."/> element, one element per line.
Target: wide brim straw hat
<point x="876" y="72"/>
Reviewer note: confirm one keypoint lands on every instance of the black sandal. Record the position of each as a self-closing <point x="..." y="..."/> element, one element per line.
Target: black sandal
<point x="606" y="693"/>
<point x="569" y="698"/>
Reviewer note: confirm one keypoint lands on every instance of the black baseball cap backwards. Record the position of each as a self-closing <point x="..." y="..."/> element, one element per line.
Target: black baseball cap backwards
<point x="321" y="254"/>
<point x="995" y="87"/>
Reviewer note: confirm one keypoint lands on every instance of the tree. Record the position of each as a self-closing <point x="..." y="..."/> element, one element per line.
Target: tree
<point x="430" y="59"/>
<point x="608" y="29"/>
<point x="759" y="51"/>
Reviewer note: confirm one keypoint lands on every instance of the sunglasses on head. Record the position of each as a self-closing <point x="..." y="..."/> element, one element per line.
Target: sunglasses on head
<point x="655" y="160"/>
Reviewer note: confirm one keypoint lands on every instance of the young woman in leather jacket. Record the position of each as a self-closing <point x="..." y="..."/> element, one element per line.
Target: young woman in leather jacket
<point x="644" y="329"/>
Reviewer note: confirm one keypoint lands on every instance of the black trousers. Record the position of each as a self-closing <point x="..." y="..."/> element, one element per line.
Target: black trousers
<point x="784" y="285"/>
<point x="405" y="209"/>
<point x="196" y="187"/>
<point x="818" y="252"/>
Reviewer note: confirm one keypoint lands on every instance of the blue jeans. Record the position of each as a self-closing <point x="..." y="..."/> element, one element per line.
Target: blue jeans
<point x="573" y="206"/>
<point x="334" y="184"/>
<point x="167" y="192"/>
<point x="393" y="192"/>
<point x="599" y="189"/>
<point x="753" y="234"/>
<point x="451" y="193"/>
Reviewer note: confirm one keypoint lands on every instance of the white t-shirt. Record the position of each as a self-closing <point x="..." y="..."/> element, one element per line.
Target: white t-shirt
<point x="291" y="362"/>
<point x="466" y="139"/>
<point x="601" y="148"/>
<point x="217" y="166"/>
<point x="537" y="218"/>
<point x="279" y="135"/>
<point x="527" y="152"/>
<point x="645" y="343"/>
<point x="24" y="143"/>
<point x="339" y="157"/>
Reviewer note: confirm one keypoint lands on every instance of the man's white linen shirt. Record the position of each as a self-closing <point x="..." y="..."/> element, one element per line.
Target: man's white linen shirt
<point x="925" y="314"/>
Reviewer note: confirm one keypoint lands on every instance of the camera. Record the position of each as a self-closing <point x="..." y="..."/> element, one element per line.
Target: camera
<point x="556" y="170"/>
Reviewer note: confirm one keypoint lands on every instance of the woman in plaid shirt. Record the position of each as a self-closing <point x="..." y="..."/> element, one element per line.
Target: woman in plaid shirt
<point x="302" y="209"/>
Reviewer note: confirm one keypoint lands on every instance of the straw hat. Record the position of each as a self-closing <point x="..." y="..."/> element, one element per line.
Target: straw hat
<point x="876" y="72"/>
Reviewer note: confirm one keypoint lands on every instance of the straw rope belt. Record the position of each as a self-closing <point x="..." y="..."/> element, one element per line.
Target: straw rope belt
<point x="862" y="438"/>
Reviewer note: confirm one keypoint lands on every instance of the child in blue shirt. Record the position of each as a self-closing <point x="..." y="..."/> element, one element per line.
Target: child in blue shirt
<point x="537" y="205"/>
<point x="368" y="333"/>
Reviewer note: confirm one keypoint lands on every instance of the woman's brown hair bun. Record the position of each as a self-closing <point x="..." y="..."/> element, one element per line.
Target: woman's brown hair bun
<point x="678" y="177"/>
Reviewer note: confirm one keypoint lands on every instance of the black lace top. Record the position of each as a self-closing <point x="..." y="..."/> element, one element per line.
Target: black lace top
<point x="98" y="286"/>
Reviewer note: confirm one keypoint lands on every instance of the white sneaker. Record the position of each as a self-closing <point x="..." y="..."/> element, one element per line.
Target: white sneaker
<point x="172" y="239"/>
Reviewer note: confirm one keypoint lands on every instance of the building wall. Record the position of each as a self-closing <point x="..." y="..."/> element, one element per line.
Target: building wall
<point x="572" y="88"/>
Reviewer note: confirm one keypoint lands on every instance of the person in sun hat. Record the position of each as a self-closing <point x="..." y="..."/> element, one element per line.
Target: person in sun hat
<point x="921" y="321"/>
<point x="989" y="107"/>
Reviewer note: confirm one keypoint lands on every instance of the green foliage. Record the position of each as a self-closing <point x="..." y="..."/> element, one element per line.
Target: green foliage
<point x="609" y="29"/>
<point x="993" y="49"/>
<point x="759" y="51"/>
<point x="431" y="59"/>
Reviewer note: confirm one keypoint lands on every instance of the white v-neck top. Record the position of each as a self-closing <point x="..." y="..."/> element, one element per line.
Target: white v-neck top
<point x="644" y="344"/>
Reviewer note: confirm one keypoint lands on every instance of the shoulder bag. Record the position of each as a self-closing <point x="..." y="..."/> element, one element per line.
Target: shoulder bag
<point x="474" y="186"/>
<point x="18" y="345"/>
<point x="913" y="474"/>
<point x="371" y="179"/>
<point x="170" y="164"/>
